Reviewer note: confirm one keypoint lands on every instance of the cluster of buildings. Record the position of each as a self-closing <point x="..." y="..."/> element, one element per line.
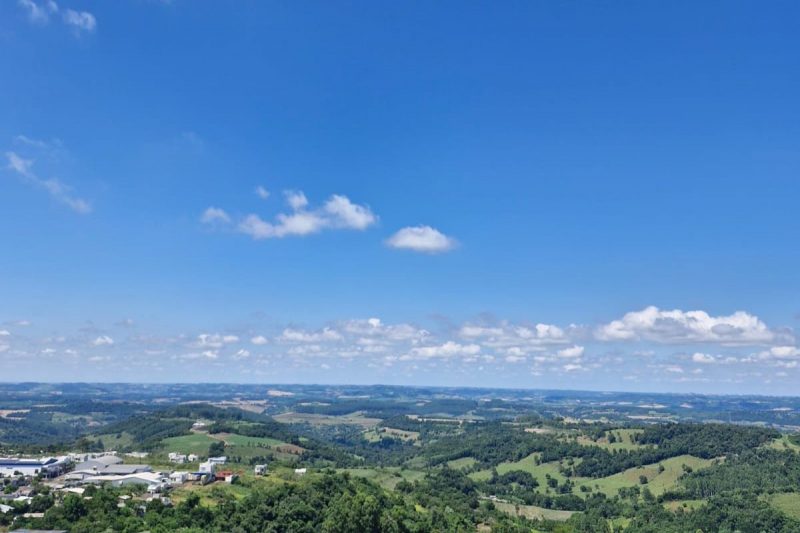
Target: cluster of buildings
<point x="70" y="472"/>
<point x="180" y="458"/>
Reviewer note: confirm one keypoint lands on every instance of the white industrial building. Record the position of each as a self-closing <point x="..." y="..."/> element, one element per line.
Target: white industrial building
<point x="45" y="466"/>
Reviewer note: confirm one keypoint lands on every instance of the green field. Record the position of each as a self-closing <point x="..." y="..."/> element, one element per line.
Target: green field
<point x="116" y="441"/>
<point x="352" y="419"/>
<point x="684" y="504"/>
<point x="533" y="512"/>
<point x="196" y="443"/>
<point x="657" y="482"/>
<point x="387" y="478"/>
<point x="375" y="434"/>
<point x="540" y="472"/>
<point x="784" y="443"/>
<point x="463" y="463"/>
<point x="786" y="502"/>
<point x="233" y="439"/>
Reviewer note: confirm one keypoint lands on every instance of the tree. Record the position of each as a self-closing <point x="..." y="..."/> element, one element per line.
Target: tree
<point x="216" y="449"/>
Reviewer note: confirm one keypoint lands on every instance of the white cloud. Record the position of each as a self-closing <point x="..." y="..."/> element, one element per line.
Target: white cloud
<point x="103" y="340"/>
<point x="80" y="20"/>
<point x="4" y="333"/>
<point x="259" y="340"/>
<point x="703" y="358"/>
<point x="55" y="188"/>
<point x="296" y="199"/>
<point x="674" y="369"/>
<point x="337" y="213"/>
<point x="54" y="144"/>
<point x="255" y="227"/>
<point x="39" y="13"/>
<point x="678" y="326"/>
<point x="421" y="239"/>
<point x="346" y="214"/>
<point x="573" y="367"/>
<point x="375" y="328"/>
<point x="573" y="352"/>
<point x="781" y="352"/>
<point x="213" y="215"/>
<point x="262" y="193"/>
<point x="214" y="340"/>
<point x="446" y="350"/>
<point x="242" y="354"/>
<point x="297" y="335"/>
<point x="523" y="337"/>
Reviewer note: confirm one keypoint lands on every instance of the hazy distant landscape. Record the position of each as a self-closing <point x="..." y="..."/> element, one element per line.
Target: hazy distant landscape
<point x="387" y="458"/>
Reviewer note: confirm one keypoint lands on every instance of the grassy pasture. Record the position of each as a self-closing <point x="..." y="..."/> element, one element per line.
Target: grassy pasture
<point x="387" y="478"/>
<point x="116" y="441"/>
<point x="533" y="512"/>
<point x="684" y="504"/>
<point x="786" y="502"/>
<point x="784" y="443"/>
<point x="196" y="443"/>
<point x="352" y="419"/>
<point x="463" y="463"/>
<point x="540" y="471"/>
<point x="657" y="482"/>
<point x="376" y="434"/>
<point x="232" y="439"/>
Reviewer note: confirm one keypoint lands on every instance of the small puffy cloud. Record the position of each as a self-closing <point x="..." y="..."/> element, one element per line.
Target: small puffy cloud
<point x="206" y="354"/>
<point x="4" y="333"/>
<point x="262" y="193"/>
<point x="214" y="215"/>
<point x="446" y="350"/>
<point x="673" y="369"/>
<point x="423" y="239"/>
<point x="374" y="329"/>
<point x="572" y="367"/>
<point x="259" y="340"/>
<point x="253" y="226"/>
<point x="296" y="199"/>
<point x="676" y="326"/>
<point x="242" y="354"/>
<point x="522" y="337"/>
<point x="214" y="340"/>
<point x="703" y="358"/>
<point x="302" y="336"/>
<point x="573" y="352"/>
<point x="80" y="21"/>
<point x="781" y="352"/>
<point x="346" y="214"/>
<point x="103" y="340"/>
<point x="337" y="213"/>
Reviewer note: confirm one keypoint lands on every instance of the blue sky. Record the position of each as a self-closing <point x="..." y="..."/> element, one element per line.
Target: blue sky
<point x="523" y="194"/>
